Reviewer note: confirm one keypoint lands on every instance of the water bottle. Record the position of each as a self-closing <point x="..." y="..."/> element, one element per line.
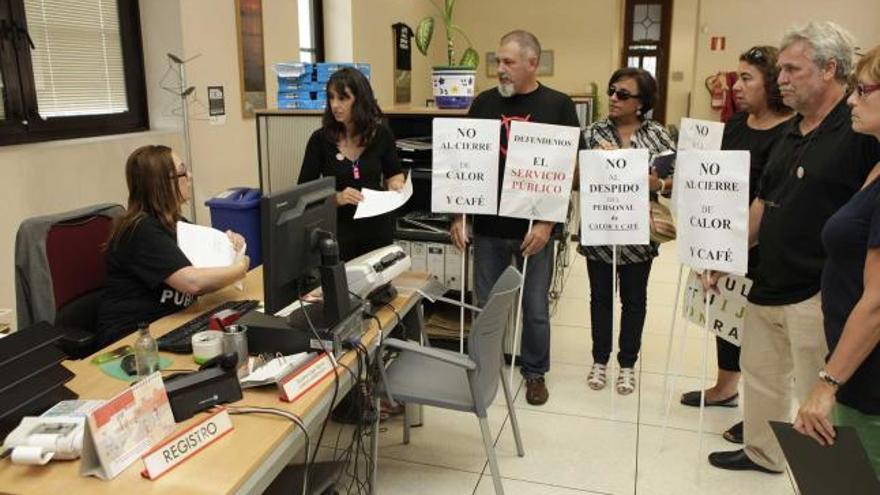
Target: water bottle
<point x="146" y="352"/>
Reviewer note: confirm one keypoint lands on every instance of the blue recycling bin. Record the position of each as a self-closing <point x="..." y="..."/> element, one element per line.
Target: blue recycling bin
<point x="238" y="209"/>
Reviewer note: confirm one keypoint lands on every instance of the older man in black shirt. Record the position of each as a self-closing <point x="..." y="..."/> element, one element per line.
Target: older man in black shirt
<point x="814" y="169"/>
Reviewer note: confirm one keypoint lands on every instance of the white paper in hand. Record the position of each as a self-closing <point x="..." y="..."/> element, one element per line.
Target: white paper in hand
<point x="205" y="246"/>
<point x="379" y="202"/>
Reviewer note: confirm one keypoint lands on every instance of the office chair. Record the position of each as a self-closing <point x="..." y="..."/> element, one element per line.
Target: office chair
<point x="60" y="272"/>
<point x="449" y="380"/>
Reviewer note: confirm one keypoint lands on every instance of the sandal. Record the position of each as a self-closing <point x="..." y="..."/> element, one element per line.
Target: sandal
<point x="626" y="381"/>
<point x="597" y="379"/>
<point x="735" y="433"/>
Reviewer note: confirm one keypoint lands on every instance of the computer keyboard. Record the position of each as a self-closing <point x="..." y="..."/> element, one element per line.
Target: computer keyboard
<point x="179" y="340"/>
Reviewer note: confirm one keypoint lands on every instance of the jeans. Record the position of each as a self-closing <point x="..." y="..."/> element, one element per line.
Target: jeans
<point x="634" y="297"/>
<point x="492" y="255"/>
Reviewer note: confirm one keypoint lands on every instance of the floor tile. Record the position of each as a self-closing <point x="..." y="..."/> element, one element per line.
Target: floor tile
<point x="519" y="487"/>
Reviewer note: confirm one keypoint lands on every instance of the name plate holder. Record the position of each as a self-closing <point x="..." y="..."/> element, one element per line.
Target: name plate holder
<point x="185" y="444"/>
<point x="296" y="384"/>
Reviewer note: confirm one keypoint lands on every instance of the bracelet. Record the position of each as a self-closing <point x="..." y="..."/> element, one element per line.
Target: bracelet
<point x="827" y="378"/>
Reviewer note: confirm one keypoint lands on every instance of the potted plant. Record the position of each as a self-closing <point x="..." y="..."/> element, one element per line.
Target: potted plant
<point x="453" y="83"/>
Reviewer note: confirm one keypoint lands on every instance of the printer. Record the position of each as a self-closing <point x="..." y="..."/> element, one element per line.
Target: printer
<point x="369" y="275"/>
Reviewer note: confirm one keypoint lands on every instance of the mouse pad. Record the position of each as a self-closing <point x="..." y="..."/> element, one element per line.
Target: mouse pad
<point x="114" y="368"/>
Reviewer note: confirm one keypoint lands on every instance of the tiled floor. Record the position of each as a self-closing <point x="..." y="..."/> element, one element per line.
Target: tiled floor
<point x="582" y="441"/>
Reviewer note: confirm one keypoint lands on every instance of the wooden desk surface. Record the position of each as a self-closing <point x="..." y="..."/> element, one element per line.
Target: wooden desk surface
<point x="220" y="468"/>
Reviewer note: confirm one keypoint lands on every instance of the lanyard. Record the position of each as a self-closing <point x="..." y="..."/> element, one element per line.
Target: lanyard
<point x="356" y="169"/>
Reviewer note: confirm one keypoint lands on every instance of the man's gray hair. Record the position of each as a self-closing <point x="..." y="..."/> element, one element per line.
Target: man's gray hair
<point x="829" y="42"/>
<point x="526" y="41"/>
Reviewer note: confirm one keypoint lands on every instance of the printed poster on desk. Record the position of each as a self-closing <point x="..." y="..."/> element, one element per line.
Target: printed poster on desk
<point x="539" y="171"/>
<point x="464" y="166"/>
<point x="713" y="210"/>
<point x="614" y="197"/>
<point x="119" y="432"/>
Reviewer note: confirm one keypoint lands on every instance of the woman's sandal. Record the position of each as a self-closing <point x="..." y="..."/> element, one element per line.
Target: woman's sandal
<point x="598" y="378"/>
<point x="626" y="381"/>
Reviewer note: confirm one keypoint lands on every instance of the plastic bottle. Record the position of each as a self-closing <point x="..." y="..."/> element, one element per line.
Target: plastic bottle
<point x="146" y="352"/>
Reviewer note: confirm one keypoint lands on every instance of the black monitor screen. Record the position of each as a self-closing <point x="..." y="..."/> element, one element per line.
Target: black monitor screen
<point x="288" y="219"/>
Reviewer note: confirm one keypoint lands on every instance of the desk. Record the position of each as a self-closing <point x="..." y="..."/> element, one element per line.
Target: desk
<point x="244" y="461"/>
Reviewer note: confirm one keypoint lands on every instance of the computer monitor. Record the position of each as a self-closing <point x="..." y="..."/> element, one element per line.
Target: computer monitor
<point x="290" y="217"/>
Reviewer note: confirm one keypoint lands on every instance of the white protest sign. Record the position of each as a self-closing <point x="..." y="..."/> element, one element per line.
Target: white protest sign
<point x="727" y="309"/>
<point x="539" y="171"/>
<point x="614" y="197"/>
<point x="713" y="210"/>
<point x="464" y="177"/>
<point x="695" y="134"/>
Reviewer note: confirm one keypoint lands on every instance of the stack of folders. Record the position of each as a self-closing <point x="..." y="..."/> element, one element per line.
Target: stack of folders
<point x="442" y="261"/>
<point x="415" y="153"/>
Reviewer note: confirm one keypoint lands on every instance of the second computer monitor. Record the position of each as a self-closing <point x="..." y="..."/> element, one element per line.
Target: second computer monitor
<point x="288" y="219"/>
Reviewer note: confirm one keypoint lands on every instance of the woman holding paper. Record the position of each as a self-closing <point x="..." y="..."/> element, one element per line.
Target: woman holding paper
<point x="355" y="147"/>
<point x="761" y="122"/>
<point x="148" y="276"/>
<point x="631" y="95"/>
<point x="849" y="385"/>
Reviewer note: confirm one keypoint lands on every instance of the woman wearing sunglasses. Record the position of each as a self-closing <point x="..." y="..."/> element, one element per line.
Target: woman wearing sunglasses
<point x="631" y="96"/>
<point x="848" y="386"/>
<point x="759" y="124"/>
<point x="148" y="276"/>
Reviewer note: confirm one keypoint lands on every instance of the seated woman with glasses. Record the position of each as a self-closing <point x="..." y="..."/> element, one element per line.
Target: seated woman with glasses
<point x="760" y="123"/>
<point x="148" y="276"/>
<point x="631" y="96"/>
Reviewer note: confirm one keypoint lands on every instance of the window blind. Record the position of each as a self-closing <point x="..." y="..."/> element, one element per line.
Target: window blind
<point x="77" y="62"/>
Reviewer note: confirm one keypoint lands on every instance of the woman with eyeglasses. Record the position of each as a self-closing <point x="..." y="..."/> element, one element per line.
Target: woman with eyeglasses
<point x="849" y="385"/>
<point x="148" y="276"/>
<point x="355" y="147"/>
<point x="758" y="125"/>
<point x="631" y="96"/>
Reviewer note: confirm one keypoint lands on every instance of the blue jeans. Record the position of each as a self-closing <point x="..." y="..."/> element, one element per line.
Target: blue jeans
<point x="492" y="255"/>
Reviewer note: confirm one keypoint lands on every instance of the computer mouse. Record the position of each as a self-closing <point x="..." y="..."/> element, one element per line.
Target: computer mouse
<point x="128" y="365"/>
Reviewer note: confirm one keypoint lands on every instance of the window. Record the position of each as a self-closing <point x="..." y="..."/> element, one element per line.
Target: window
<point x="647" y="28"/>
<point x="311" y="30"/>
<point x="70" y="69"/>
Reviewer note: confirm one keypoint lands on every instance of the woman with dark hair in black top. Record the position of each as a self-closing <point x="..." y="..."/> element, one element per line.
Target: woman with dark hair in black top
<point x="757" y="127"/>
<point x="355" y="147"/>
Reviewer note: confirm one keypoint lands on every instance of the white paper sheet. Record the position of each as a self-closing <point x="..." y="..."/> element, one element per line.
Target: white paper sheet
<point x="205" y="246"/>
<point x="379" y="202"/>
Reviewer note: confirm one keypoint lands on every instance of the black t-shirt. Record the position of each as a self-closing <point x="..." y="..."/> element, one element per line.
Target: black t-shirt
<point x="135" y="291"/>
<point x="806" y="180"/>
<point x="544" y="106"/>
<point x="758" y="142"/>
<point x="378" y="161"/>
<point x="847" y="236"/>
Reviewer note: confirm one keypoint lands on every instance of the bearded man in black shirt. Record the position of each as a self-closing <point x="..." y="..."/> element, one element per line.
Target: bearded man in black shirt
<point x="519" y="96"/>
<point x="817" y="165"/>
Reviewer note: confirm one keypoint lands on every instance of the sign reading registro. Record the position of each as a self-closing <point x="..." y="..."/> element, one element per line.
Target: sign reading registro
<point x="185" y="444"/>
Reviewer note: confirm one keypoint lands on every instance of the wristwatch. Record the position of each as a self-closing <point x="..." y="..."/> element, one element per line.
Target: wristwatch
<point x="830" y="380"/>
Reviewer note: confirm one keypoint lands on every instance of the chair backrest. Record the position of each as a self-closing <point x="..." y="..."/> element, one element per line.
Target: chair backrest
<point x="486" y="339"/>
<point x="75" y="254"/>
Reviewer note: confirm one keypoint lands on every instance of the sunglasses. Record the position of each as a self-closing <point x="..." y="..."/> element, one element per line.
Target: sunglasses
<point x="621" y="94"/>
<point x="756" y="56"/>
<point x="864" y="90"/>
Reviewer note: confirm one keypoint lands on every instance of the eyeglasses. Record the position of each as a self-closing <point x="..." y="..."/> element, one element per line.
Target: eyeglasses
<point x="756" y="56"/>
<point x="184" y="173"/>
<point x="621" y="94"/>
<point x="864" y="90"/>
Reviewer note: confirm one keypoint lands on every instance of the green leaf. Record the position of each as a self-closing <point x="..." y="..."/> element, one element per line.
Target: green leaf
<point x="470" y="58"/>
<point x="423" y="34"/>
<point x="450" y="4"/>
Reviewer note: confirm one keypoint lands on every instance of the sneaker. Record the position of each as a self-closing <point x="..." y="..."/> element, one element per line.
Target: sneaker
<point x="536" y="391"/>
<point x="626" y="381"/>
<point x="598" y="377"/>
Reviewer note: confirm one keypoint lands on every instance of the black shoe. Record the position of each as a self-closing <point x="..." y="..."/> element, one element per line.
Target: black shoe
<point x="735" y="433"/>
<point x="737" y="460"/>
<point x="693" y="399"/>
